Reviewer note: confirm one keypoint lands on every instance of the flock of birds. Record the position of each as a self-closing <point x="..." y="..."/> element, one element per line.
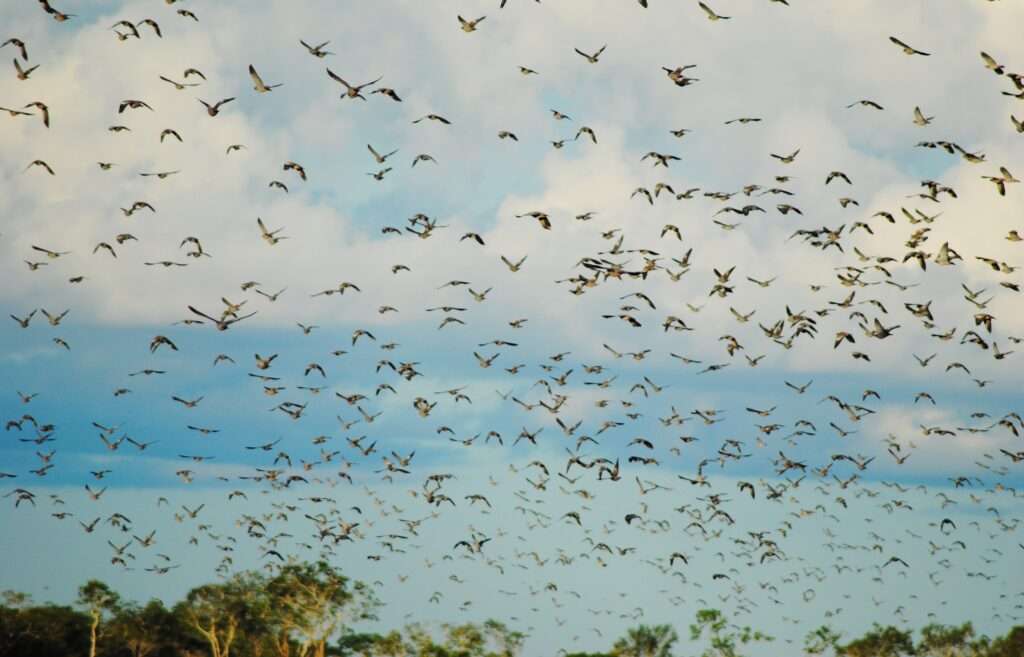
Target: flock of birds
<point x="586" y="434"/>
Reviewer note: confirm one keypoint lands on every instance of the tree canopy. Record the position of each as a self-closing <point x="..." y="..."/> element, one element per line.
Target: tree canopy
<point x="314" y="610"/>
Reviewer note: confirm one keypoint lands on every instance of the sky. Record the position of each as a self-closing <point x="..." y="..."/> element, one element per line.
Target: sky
<point x="797" y="68"/>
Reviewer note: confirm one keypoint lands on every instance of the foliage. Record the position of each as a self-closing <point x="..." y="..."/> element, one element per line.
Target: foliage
<point x="646" y="641"/>
<point x="146" y="630"/>
<point x="725" y="638"/>
<point x="821" y="641"/>
<point x="880" y="641"/>
<point x="313" y="610"/>
<point x="312" y="602"/>
<point x="100" y="600"/>
<point x="43" y="631"/>
<point x="1011" y="645"/>
<point x="220" y="612"/>
<point x="950" y="641"/>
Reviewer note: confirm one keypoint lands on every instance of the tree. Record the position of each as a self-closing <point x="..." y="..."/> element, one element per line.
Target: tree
<point x="99" y="600"/>
<point x="358" y="644"/>
<point x="506" y="642"/>
<point x="314" y="602"/>
<point x="821" y="641"/>
<point x="146" y="630"/>
<point x="1011" y="645"/>
<point x="489" y="639"/>
<point x="218" y="611"/>
<point x="724" y="636"/>
<point x="43" y="631"/>
<point x="947" y="641"/>
<point x="392" y="644"/>
<point x="880" y="641"/>
<point x="646" y="641"/>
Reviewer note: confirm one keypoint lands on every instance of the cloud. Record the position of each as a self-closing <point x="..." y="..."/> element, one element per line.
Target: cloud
<point x="796" y="68"/>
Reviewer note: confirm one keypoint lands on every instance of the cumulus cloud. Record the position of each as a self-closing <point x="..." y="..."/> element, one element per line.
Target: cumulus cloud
<point x="797" y="77"/>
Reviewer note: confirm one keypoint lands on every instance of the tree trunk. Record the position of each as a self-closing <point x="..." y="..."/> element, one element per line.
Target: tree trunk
<point x="229" y="637"/>
<point x="93" y="631"/>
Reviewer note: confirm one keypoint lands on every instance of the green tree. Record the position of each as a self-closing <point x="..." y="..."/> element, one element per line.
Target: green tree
<point x="100" y="601"/>
<point x="489" y="639"/>
<point x="357" y="644"/>
<point x="725" y="638"/>
<point x="1011" y="645"/>
<point x="505" y="642"/>
<point x="314" y="602"/>
<point x="392" y="644"/>
<point x="646" y="641"/>
<point x="218" y="612"/>
<point x="948" y="641"/>
<point x="880" y="641"/>
<point x="821" y="641"/>
<point x="43" y="631"/>
<point x="146" y="630"/>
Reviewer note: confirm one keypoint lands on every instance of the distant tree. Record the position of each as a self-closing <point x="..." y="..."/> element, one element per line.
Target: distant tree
<point x="356" y="644"/>
<point x="949" y="641"/>
<point x="821" y="641"/>
<point x="15" y="599"/>
<point x="146" y="630"/>
<point x="217" y="612"/>
<point x="467" y="640"/>
<point x="99" y="601"/>
<point x="490" y="639"/>
<point x="646" y="641"/>
<point x="301" y="607"/>
<point x="505" y="642"/>
<point x="43" y="631"/>
<point x="1011" y="645"/>
<point x="880" y="641"/>
<point x="725" y="637"/>
<point x="413" y="640"/>
<point x="392" y="644"/>
<point x="314" y="602"/>
<point x="11" y="619"/>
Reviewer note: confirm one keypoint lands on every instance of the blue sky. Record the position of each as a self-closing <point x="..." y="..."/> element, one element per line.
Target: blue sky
<point x="796" y="68"/>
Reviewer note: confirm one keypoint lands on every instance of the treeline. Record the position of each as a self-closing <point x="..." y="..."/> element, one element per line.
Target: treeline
<point x="310" y="609"/>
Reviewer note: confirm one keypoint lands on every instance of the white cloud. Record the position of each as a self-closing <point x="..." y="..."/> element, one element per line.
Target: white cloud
<point x="795" y="67"/>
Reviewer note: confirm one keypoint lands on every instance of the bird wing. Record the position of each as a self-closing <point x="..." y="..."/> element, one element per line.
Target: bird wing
<point x="337" y="79"/>
<point x="256" y="77"/>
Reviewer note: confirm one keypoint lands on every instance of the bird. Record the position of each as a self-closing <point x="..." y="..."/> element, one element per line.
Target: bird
<point x="787" y="159"/>
<point x="920" y="119"/>
<point x="906" y="48"/>
<point x="712" y="16"/>
<point x="991" y="64"/>
<point x="591" y="58"/>
<point x="180" y="86"/>
<point x="19" y="45"/>
<point x="351" y="91"/>
<point x="433" y="117"/>
<point x="380" y="159"/>
<point x="221" y="324"/>
<point x="23" y="73"/>
<point x="214" y="110"/>
<point x="896" y="322"/>
<point x="318" y="50"/>
<point x="469" y="25"/>
<point x="44" y="111"/>
<point x="41" y="164"/>
<point x="258" y="83"/>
